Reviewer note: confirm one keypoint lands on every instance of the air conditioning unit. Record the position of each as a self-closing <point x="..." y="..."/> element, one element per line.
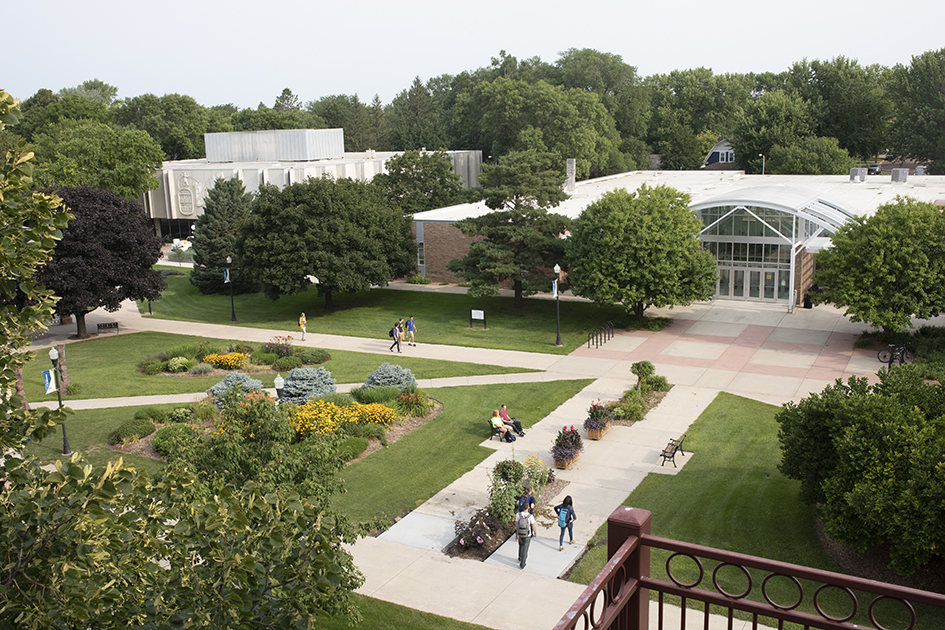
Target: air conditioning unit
<point x="857" y="174"/>
<point x="920" y="171"/>
<point x="900" y="175"/>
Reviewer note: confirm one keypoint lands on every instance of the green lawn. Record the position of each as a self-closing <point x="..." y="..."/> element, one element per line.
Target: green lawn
<point x="441" y="318"/>
<point x="427" y="460"/>
<point x="106" y="367"/>
<point x="729" y="496"/>
<point x="381" y="615"/>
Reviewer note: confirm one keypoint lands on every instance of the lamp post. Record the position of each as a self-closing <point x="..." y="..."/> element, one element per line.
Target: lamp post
<point x="229" y="278"/>
<point x="762" y="156"/>
<point x="558" y="303"/>
<point x="54" y="357"/>
<point x="279" y="383"/>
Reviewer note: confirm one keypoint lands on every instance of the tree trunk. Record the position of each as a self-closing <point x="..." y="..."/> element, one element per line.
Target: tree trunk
<point x="638" y="309"/>
<point x="328" y="301"/>
<point x="519" y="300"/>
<point x="80" y="330"/>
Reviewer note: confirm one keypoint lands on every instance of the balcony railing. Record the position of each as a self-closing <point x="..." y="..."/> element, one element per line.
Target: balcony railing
<point x="618" y="597"/>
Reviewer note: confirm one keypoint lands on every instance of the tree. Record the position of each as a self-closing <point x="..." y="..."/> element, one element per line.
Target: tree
<point x="918" y="122"/>
<point x="412" y="121"/>
<point x="416" y="181"/>
<point x="49" y="109"/>
<point x="343" y="232"/>
<point x="93" y="90"/>
<point x="176" y="121"/>
<point x="869" y="456"/>
<point x="522" y="240"/>
<point x="810" y="156"/>
<point x="226" y="207"/>
<point x="774" y="119"/>
<point x="287" y="102"/>
<point x="264" y="118"/>
<point x="105" y="256"/>
<point x="90" y="153"/>
<point x="887" y="268"/>
<point x="640" y="250"/>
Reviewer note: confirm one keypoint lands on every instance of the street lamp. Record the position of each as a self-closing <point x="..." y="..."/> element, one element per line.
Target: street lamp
<point x="54" y="357"/>
<point x="229" y="278"/>
<point x="558" y="303"/>
<point x="279" y="384"/>
<point x="762" y="156"/>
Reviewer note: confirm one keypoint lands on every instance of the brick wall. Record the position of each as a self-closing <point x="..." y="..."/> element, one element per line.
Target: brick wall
<point x="803" y="273"/>
<point x="442" y="242"/>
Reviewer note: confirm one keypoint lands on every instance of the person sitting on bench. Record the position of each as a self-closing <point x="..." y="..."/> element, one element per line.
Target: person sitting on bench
<point x="504" y="430"/>
<point x="511" y="422"/>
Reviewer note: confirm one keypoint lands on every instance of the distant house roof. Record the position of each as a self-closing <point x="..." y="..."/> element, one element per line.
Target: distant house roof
<point x="721" y="153"/>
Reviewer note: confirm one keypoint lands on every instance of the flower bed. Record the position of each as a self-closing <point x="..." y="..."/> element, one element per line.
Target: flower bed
<point x="567" y="446"/>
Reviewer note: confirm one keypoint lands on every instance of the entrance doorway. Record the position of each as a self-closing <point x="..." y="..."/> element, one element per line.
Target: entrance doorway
<point x="762" y="284"/>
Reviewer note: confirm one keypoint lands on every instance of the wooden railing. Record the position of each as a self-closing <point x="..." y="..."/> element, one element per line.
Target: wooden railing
<point x="619" y="596"/>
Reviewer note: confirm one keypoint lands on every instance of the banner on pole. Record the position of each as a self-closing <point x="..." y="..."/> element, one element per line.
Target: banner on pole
<point x="554" y="288"/>
<point x="49" y="382"/>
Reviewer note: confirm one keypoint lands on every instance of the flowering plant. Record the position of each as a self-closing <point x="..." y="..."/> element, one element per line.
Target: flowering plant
<point x="281" y="346"/>
<point x="480" y="529"/>
<point x="598" y="416"/>
<point x="567" y="444"/>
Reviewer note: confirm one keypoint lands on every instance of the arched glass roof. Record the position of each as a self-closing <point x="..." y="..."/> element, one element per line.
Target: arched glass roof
<point x="806" y="204"/>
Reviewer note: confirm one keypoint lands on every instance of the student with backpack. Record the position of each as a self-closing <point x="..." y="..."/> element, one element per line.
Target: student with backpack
<point x="526" y="501"/>
<point x="566" y="518"/>
<point x="524" y="532"/>
<point x="396" y="334"/>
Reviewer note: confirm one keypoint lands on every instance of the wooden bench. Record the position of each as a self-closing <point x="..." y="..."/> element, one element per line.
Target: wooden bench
<point x="107" y="326"/>
<point x="674" y="446"/>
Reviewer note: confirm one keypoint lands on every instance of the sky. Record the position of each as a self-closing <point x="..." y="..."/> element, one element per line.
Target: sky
<point x="244" y="52"/>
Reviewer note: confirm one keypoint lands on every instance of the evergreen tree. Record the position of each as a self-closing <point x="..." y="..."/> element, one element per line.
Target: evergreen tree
<point x="226" y="207"/>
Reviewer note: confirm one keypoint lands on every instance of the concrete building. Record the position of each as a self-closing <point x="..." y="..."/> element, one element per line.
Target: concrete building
<point x="278" y="157"/>
<point x="763" y="229"/>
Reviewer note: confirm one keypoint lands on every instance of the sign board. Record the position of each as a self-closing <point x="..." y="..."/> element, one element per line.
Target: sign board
<point x="477" y="315"/>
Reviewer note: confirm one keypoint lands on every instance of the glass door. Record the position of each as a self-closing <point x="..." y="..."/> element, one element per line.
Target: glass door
<point x="784" y="284"/>
<point x="724" y="283"/>
<point x="754" y="283"/>
<point x="738" y="283"/>
<point x="770" y="275"/>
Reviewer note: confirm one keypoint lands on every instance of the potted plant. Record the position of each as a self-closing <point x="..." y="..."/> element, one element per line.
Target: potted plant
<point x="598" y="420"/>
<point x="568" y="445"/>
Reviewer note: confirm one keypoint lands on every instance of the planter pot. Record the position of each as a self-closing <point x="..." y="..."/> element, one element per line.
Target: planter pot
<point x="596" y="434"/>
<point x="566" y="463"/>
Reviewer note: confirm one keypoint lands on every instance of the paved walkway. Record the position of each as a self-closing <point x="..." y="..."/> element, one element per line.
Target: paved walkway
<point x="750" y="349"/>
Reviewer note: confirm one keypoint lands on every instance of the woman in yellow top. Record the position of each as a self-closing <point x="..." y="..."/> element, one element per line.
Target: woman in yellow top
<point x="504" y="429"/>
<point x="302" y="325"/>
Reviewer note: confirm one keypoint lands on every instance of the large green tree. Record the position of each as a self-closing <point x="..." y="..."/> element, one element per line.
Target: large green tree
<point x="176" y="121"/>
<point x="106" y="255"/>
<point x="776" y="118"/>
<point x="226" y="207"/>
<point x="100" y="155"/>
<point x="93" y="90"/>
<point x="640" y="249"/>
<point x="810" y="156"/>
<point x="420" y="180"/>
<point x="343" y="232"/>
<point x="887" y="268"/>
<point x="47" y="109"/>
<point x="413" y="121"/>
<point x="521" y="239"/>
<point x="870" y="457"/>
<point x="917" y="93"/>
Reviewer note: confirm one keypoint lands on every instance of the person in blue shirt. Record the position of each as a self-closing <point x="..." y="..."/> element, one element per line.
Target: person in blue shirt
<point x="411" y="329"/>
<point x="566" y="517"/>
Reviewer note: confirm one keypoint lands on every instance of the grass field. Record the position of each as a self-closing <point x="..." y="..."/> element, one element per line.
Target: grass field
<point x="106" y="367"/>
<point x="731" y="496"/>
<point x="441" y="318"/>
<point x="381" y="615"/>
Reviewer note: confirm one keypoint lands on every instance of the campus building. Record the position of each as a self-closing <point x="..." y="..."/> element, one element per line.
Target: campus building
<point x="762" y="229"/>
<point x="279" y="157"/>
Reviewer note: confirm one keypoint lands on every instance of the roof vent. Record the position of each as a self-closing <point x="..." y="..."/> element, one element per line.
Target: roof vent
<point x="857" y="174"/>
<point x="900" y="175"/>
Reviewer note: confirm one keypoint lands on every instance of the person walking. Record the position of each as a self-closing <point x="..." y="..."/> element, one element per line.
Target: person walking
<point x="411" y="329"/>
<point x="524" y="532"/>
<point x="302" y="325"/>
<point x="396" y="333"/>
<point x="566" y="518"/>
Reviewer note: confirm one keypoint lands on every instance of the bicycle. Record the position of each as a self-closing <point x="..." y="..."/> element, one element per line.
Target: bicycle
<point x="895" y="352"/>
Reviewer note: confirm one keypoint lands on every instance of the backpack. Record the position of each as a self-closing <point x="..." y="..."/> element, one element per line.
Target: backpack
<point x="390" y="333"/>
<point x="523" y="502"/>
<point x="509" y="437"/>
<point x="563" y="514"/>
<point x="521" y="525"/>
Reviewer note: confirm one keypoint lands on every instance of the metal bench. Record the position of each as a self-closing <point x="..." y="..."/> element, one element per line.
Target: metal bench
<point x="674" y="446"/>
<point x="107" y="326"/>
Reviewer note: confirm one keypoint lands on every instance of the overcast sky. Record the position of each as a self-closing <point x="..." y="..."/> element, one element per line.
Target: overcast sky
<point x="244" y="52"/>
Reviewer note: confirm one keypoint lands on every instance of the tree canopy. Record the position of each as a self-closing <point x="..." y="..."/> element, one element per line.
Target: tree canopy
<point x="887" y="268"/>
<point x="918" y="124"/>
<point x="105" y="256"/>
<point x="640" y="249"/>
<point x="343" y="232"/>
<point x="420" y="180"/>
<point x="226" y="207"/>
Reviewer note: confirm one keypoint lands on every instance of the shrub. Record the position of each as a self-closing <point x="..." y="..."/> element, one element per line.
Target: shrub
<point x="202" y="368"/>
<point x="376" y="413"/>
<point x="313" y="356"/>
<point x="383" y="395"/>
<point x="536" y="473"/>
<point x="480" y="529"/>
<point x="73" y="389"/>
<point x="642" y="370"/>
<point x="229" y="361"/>
<point x="419" y="280"/>
<point x="376" y="431"/>
<point x="171" y="273"/>
<point x="413" y="405"/>
<point x="204" y="348"/>
<point x="174" y="441"/>
<point x="204" y="411"/>
<point x="153" y="367"/>
<point x="284" y="364"/>
<point x="305" y="383"/>
<point x="655" y="383"/>
<point x="322" y="418"/>
<point x="630" y="407"/>
<point x="279" y="345"/>
<point x="351" y="447"/>
<point x="337" y="398"/>
<point x="188" y="351"/>
<point x="242" y="348"/>
<point x="178" y="364"/>
<point x="503" y="496"/>
<point x="181" y="414"/>
<point x="387" y="375"/>
<point x="151" y="414"/>
<point x="234" y="379"/>
<point x="160" y="356"/>
<point x="132" y="430"/>
<point x="510" y="471"/>
<point x="261" y="357"/>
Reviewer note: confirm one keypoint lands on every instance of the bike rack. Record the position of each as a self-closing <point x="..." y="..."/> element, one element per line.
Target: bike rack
<point x="601" y="334"/>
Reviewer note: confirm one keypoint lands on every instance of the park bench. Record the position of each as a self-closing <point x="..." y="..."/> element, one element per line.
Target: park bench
<point x="107" y="326"/>
<point x="674" y="446"/>
<point x="495" y="431"/>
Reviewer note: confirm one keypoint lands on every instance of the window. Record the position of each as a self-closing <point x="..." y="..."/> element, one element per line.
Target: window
<point x="419" y="254"/>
